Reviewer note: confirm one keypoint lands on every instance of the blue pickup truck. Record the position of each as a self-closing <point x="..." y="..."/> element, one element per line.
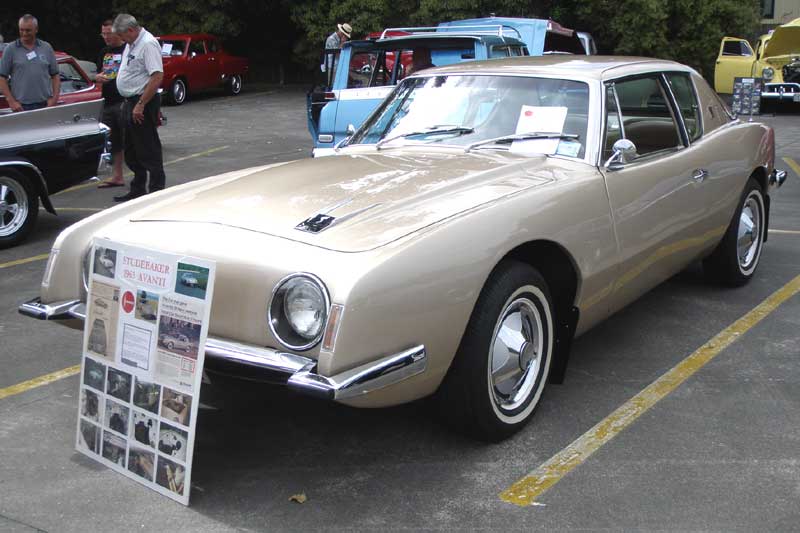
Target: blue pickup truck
<point x="360" y="75"/>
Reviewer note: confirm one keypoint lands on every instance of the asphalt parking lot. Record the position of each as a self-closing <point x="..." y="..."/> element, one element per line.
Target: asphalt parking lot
<point x="718" y="451"/>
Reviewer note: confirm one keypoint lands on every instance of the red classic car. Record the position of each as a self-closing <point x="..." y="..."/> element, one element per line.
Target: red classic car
<point x="195" y="61"/>
<point x="76" y="86"/>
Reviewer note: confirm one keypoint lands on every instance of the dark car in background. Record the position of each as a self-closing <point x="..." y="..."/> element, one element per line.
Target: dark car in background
<point x="197" y="61"/>
<point x="43" y="152"/>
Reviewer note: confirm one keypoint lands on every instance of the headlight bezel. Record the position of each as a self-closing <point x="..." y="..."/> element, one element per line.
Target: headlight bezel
<point x="280" y="325"/>
<point x="769" y="70"/>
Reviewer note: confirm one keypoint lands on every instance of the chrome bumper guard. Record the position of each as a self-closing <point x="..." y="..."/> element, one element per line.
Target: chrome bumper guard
<point x="299" y="372"/>
<point x="777" y="177"/>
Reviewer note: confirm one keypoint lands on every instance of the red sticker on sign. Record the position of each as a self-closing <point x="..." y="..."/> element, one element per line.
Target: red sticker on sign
<point x="528" y="113"/>
<point x="127" y="301"/>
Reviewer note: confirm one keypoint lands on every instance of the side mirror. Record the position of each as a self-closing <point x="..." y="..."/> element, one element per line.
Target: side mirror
<point x="624" y="151"/>
<point x="192" y="55"/>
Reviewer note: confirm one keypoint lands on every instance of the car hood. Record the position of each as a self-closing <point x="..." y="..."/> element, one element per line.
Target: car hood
<point x="785" y="40"/>
<point x="355" y="203"/>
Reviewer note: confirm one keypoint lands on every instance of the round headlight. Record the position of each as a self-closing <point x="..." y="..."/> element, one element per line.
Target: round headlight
<point x="298" y="311"/>
<point x="768" y="73"/>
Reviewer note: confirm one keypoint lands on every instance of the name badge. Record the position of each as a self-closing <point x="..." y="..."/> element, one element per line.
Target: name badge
<point x="117" y="57"/>
<point x="31" y="55"/>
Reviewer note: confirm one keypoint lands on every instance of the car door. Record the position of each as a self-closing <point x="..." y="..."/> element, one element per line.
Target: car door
<point x="197" y="69"/>
<point x="362" y="81"/>
<point x="735" y="60"/>
<point x="214" y="62"/>
<point x="656" y="200"/>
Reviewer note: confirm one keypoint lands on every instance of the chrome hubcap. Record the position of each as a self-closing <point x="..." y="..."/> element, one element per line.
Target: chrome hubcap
<point x="13" y="206"/>
<point x="516" y="354"/>
<point x="179" y="92"/>
<point x="749" y="234"/>
<point x="236" y="84"/>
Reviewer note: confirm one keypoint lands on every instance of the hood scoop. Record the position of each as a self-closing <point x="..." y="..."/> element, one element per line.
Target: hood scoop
<point x="323" y="219"/>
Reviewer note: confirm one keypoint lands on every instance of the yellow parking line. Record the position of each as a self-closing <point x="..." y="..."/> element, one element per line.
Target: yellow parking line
<point x="129" y="174"/>
<point x="38" y="382"/>
<point x="23" y="261"/>
<point x="792" y="163"/>
<point x="526" y="490"/>
<point x="785" y="231"/>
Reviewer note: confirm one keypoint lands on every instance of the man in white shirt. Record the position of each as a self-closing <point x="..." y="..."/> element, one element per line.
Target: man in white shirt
<point x="139" y="77"/>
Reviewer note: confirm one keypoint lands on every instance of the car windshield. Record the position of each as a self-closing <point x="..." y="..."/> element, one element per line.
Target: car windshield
<point x="172" y="47"/>
<point x="518" y="114"/>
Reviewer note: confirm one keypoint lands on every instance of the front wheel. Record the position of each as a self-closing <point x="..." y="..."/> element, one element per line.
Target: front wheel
<point x="735" y="259"/>
<point x="19" y="207"/>
<point x="177" y="92"/>
<point x="500" y="370"/>
<point x="234" y="85"/>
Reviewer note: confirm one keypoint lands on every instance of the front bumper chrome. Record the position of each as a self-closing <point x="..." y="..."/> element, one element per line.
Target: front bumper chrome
<point x="784" y="91"/>
<point x="777" y="177"/>
<point x="295" y="371"/>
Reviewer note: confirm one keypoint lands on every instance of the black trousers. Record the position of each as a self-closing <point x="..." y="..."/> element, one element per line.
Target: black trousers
<point x="143" y="147"/>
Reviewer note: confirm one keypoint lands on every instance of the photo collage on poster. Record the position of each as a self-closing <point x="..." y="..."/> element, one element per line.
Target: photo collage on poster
<point x="147" y="316"/>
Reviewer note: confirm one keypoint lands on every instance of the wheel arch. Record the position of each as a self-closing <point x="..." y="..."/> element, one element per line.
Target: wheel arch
<point x="562" y="275"/>
<point x="31" y="172"/>
<point x="761" y="176"/>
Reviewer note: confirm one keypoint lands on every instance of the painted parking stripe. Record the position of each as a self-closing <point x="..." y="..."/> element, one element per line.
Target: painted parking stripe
<point x="25" y="260"/>
<point x="129" y="174"/>
<point x="785" y="231"/>
<point x="39" y="381"/>
<point x="529" y="488"/>
<point x="793" y="164"/>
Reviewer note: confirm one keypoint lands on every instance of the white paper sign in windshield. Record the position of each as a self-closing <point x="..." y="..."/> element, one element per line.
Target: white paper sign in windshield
<point x="146" y="325"/>
<point x="542" y="120"/>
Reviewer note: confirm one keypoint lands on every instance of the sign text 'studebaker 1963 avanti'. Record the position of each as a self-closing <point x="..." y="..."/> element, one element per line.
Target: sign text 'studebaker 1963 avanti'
<point x="485" y="214"/>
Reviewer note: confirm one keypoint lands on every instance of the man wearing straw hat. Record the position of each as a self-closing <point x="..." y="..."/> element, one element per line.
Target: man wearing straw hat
<point x="339" y="37"/>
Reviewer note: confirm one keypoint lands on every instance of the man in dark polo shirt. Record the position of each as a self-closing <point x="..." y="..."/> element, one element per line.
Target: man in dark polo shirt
<point x="107" y="68"/>
<point x="28" y="70"/>
<point x="138" y="79"/>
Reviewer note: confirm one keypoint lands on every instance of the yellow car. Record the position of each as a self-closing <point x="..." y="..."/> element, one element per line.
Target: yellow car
<point x="776" y="59"/>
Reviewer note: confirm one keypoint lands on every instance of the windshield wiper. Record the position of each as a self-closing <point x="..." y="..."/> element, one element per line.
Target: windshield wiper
<point x="522" y="137"/>
<point x="433" y="130"/>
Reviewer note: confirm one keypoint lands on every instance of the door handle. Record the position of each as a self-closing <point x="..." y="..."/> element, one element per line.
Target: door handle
<point x="700" y="175"/>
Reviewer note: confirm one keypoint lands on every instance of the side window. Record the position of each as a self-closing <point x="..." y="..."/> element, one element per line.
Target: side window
<point x="736" y="48"/>
<point x="196" y="48"/>
<point x="498" y="51"/>
<point x="613" y="131"/>
<point x="646" y="117"/>
<point x="360" y="69"/>
<point x="213" y="46"/>
<point x="71" y="80"/>
<point x="684" y="93"/>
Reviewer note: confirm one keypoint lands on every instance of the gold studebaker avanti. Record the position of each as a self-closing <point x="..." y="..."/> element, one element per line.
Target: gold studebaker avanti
<point x="483" y="216"/>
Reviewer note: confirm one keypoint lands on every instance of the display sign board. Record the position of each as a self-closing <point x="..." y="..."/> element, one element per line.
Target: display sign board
<point x="143" y="351"/>
<point x="747" y="96"/>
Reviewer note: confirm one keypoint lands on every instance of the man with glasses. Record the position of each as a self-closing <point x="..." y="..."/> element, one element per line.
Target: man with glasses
<point x="139" y="77"/>
<point x="29" y="76"/>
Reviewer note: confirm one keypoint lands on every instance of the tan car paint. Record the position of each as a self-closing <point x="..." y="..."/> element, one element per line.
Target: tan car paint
<point x="409" y="272"/>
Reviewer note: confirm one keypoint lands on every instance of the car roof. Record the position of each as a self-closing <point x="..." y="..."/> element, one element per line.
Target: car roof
<point x="436" y="38"/>
<point x="594" y="67"/>
<point x="184" y="36"/>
